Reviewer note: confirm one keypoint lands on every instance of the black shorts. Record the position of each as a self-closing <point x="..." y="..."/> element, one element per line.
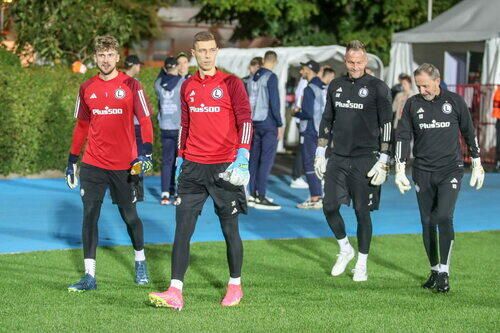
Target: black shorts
<point x="346" y="179"/>
<point x="437" y="190"/>
<point x="198" y="181"/>
<point x="124" y="188"/>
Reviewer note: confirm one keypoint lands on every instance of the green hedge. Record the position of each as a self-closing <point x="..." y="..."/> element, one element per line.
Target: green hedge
<point x="36" y="116"/>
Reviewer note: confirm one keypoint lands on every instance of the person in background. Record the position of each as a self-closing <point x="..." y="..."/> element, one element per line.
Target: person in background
<point x="132" y="66"/>
<point x="298" y="170"/>
<point x="268" y="130"/>
<point x="167" y="89"/>
<point x="313" y="105"/>
<point x="397" y="87"/>
<point x="496" y="114"/>
<point x="183" y="65"/>
<point x="254" y="65"/>
<point x="400" y="99"/>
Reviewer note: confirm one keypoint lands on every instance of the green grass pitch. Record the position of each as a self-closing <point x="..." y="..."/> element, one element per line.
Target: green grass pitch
<point x="286" y="283"/>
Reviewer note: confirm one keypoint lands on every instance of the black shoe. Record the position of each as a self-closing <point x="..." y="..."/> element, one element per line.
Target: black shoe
<point x="261" y="202"/>
<point x="442" y="282"/>
<point x="431" y="281"/>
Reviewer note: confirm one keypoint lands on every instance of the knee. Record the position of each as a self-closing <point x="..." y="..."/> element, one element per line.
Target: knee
<point x="331" y="209"/>
<point x="129" y="214"/>
<point x="363" y="216"/>
<point x="229" y="226"/>
<point x="442" y="219"/>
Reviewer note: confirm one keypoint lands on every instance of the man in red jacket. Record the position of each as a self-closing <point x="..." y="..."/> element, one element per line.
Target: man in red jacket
<point x="214" y="143"/>
<point x="105" y="109"/>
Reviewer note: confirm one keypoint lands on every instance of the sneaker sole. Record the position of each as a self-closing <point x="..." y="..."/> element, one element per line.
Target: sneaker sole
<point x="161" y="303"/>
<point x="360" y="280"/>
<point x="299" y="187"/>
<point x="250" y="204"/>
<point x="257" y="206"/>
<point x="74" y="290"/>
<point x="310" y="207"/>
<point x="142" y="283"/>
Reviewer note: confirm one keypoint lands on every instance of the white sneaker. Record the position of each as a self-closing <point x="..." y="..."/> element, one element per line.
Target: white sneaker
<point x="299" y="183"/>
<point x="308" y="204"/>
<point x="343" y="259"/>
<point x="360" y="273"/>
<point x="250" y="201"/>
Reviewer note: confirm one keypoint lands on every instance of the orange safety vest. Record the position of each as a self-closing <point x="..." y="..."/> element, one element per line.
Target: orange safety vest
<point x="496" y="104"/>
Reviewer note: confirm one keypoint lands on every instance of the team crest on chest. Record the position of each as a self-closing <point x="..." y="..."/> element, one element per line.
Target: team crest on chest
<point x="446" y="108"/>
<point x="363" y="92"/>
<point x="217" y="93"/>
<point x="119" y="93"/>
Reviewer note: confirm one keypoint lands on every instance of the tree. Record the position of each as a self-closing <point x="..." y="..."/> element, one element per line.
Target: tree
<point x="64" y="30"/>
<point x="322" y="22"/>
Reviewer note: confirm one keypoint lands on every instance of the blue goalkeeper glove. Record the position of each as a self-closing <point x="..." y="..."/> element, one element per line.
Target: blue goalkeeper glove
<point x="237" y="172"/>
<point x="144" y="162"/>
<point x="178" y="164"/>
<point x="71" y="179"/>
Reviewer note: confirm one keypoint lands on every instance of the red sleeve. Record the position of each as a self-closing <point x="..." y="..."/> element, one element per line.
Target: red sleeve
<point x="242" y="111"/>
<point x="146" y="129"/>
<point x="184" y="130"/>
<point x="140" y="100"/>
<point x="80" y="133"/>
<point x="82" y="111"/>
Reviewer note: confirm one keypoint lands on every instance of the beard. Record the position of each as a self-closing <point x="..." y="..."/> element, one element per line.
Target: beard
<point x="106" y="72"/>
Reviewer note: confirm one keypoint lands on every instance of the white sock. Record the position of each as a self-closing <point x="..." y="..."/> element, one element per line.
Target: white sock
<point x="435" y="268"/>
<point x="165" y="194"/>
<point x="444" y="268"/>
<point x="89" y="266"/>
<point x="176" y="284"/>
<point x="362" y="259"/>
<point x="236" y="281"/>
<point x="344" y="244"/>
<point x="139" y="255"/>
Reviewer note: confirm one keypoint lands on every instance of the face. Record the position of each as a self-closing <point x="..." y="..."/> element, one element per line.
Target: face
<point x="183" y="65"/>
<point x="106" y="60"/>
<point x="355" y="62"/>
<point x="406" y="85"/>
<point x="205" y="53"/>
<point x="428" y="87"/>
<point x="302" y="73"/>
<point x="253" y="69"/>
<point x="328" y="77"/>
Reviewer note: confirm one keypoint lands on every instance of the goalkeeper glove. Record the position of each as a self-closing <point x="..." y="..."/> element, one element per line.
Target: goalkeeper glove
<point x="71" y="179"/>
<point x="401" y="181"/>
<point x="144" y="162"/>
<point x="320" y="162"/>
<point x="237" y="172"/>
<point x="378" y="173"/>
<point x="477" y="174"/>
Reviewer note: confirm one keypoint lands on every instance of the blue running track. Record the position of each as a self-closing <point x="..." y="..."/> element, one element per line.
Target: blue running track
<point x="43" y="214"/>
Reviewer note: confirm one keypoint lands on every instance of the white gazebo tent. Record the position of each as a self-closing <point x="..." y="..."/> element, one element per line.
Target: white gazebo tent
<point x="237" y="60"/>
<point x="469" y="26"/>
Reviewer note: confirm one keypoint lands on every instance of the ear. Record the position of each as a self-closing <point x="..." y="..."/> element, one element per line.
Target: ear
<point x="193" y="52"/>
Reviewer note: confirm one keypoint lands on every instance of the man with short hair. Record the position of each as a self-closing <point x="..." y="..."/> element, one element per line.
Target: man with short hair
<point x="214" y="144"/>
<point x="132" y="66"/>
<point x="434" y="118"/>
<point x="328" y="76"/>
<point x="183" y="65"/>
<point x="268" y="130"/>
<point x="105" y="107"/>
<point x="168" y="91"/>
<point x="310" y="116"/>
<point x="358" y="115"/>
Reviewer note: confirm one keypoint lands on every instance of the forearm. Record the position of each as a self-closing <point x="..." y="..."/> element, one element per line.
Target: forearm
<point x="80" y="133"/>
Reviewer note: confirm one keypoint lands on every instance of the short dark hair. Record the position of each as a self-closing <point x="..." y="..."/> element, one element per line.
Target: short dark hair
<point x="328" y="70"/>
<point x="429" y="69"/>
<point x="204" y="36"/>
<point x="257" y="61"/>
<point x="270" y="56"/>
<point x="355" y="45"/>
<point x="405" y="77"/>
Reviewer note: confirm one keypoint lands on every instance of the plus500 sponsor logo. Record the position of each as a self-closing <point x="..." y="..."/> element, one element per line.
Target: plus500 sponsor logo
<point x="349" y="105"/>
<point x="203" y="108"/>
<point x="435" y="124"/>
<point x="107" y="111"/>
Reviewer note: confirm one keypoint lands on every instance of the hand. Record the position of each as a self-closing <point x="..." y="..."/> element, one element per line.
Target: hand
<point x="237" y="172"/>
<point x="320" y="162"/>
<point x="378" y="173"/>
<point x="477" y="174"/>
<point x="71" y="179"/>
<point x="281" y="133"/>
<point x="401" y="181"/>
<point x="295" y="110"/>
<point x="142" y="165"/>
<point x="178" y="164"/>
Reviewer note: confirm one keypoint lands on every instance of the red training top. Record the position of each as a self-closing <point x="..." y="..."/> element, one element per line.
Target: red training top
<point x="105" y="111"/>
<point x="216" y="118"/>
